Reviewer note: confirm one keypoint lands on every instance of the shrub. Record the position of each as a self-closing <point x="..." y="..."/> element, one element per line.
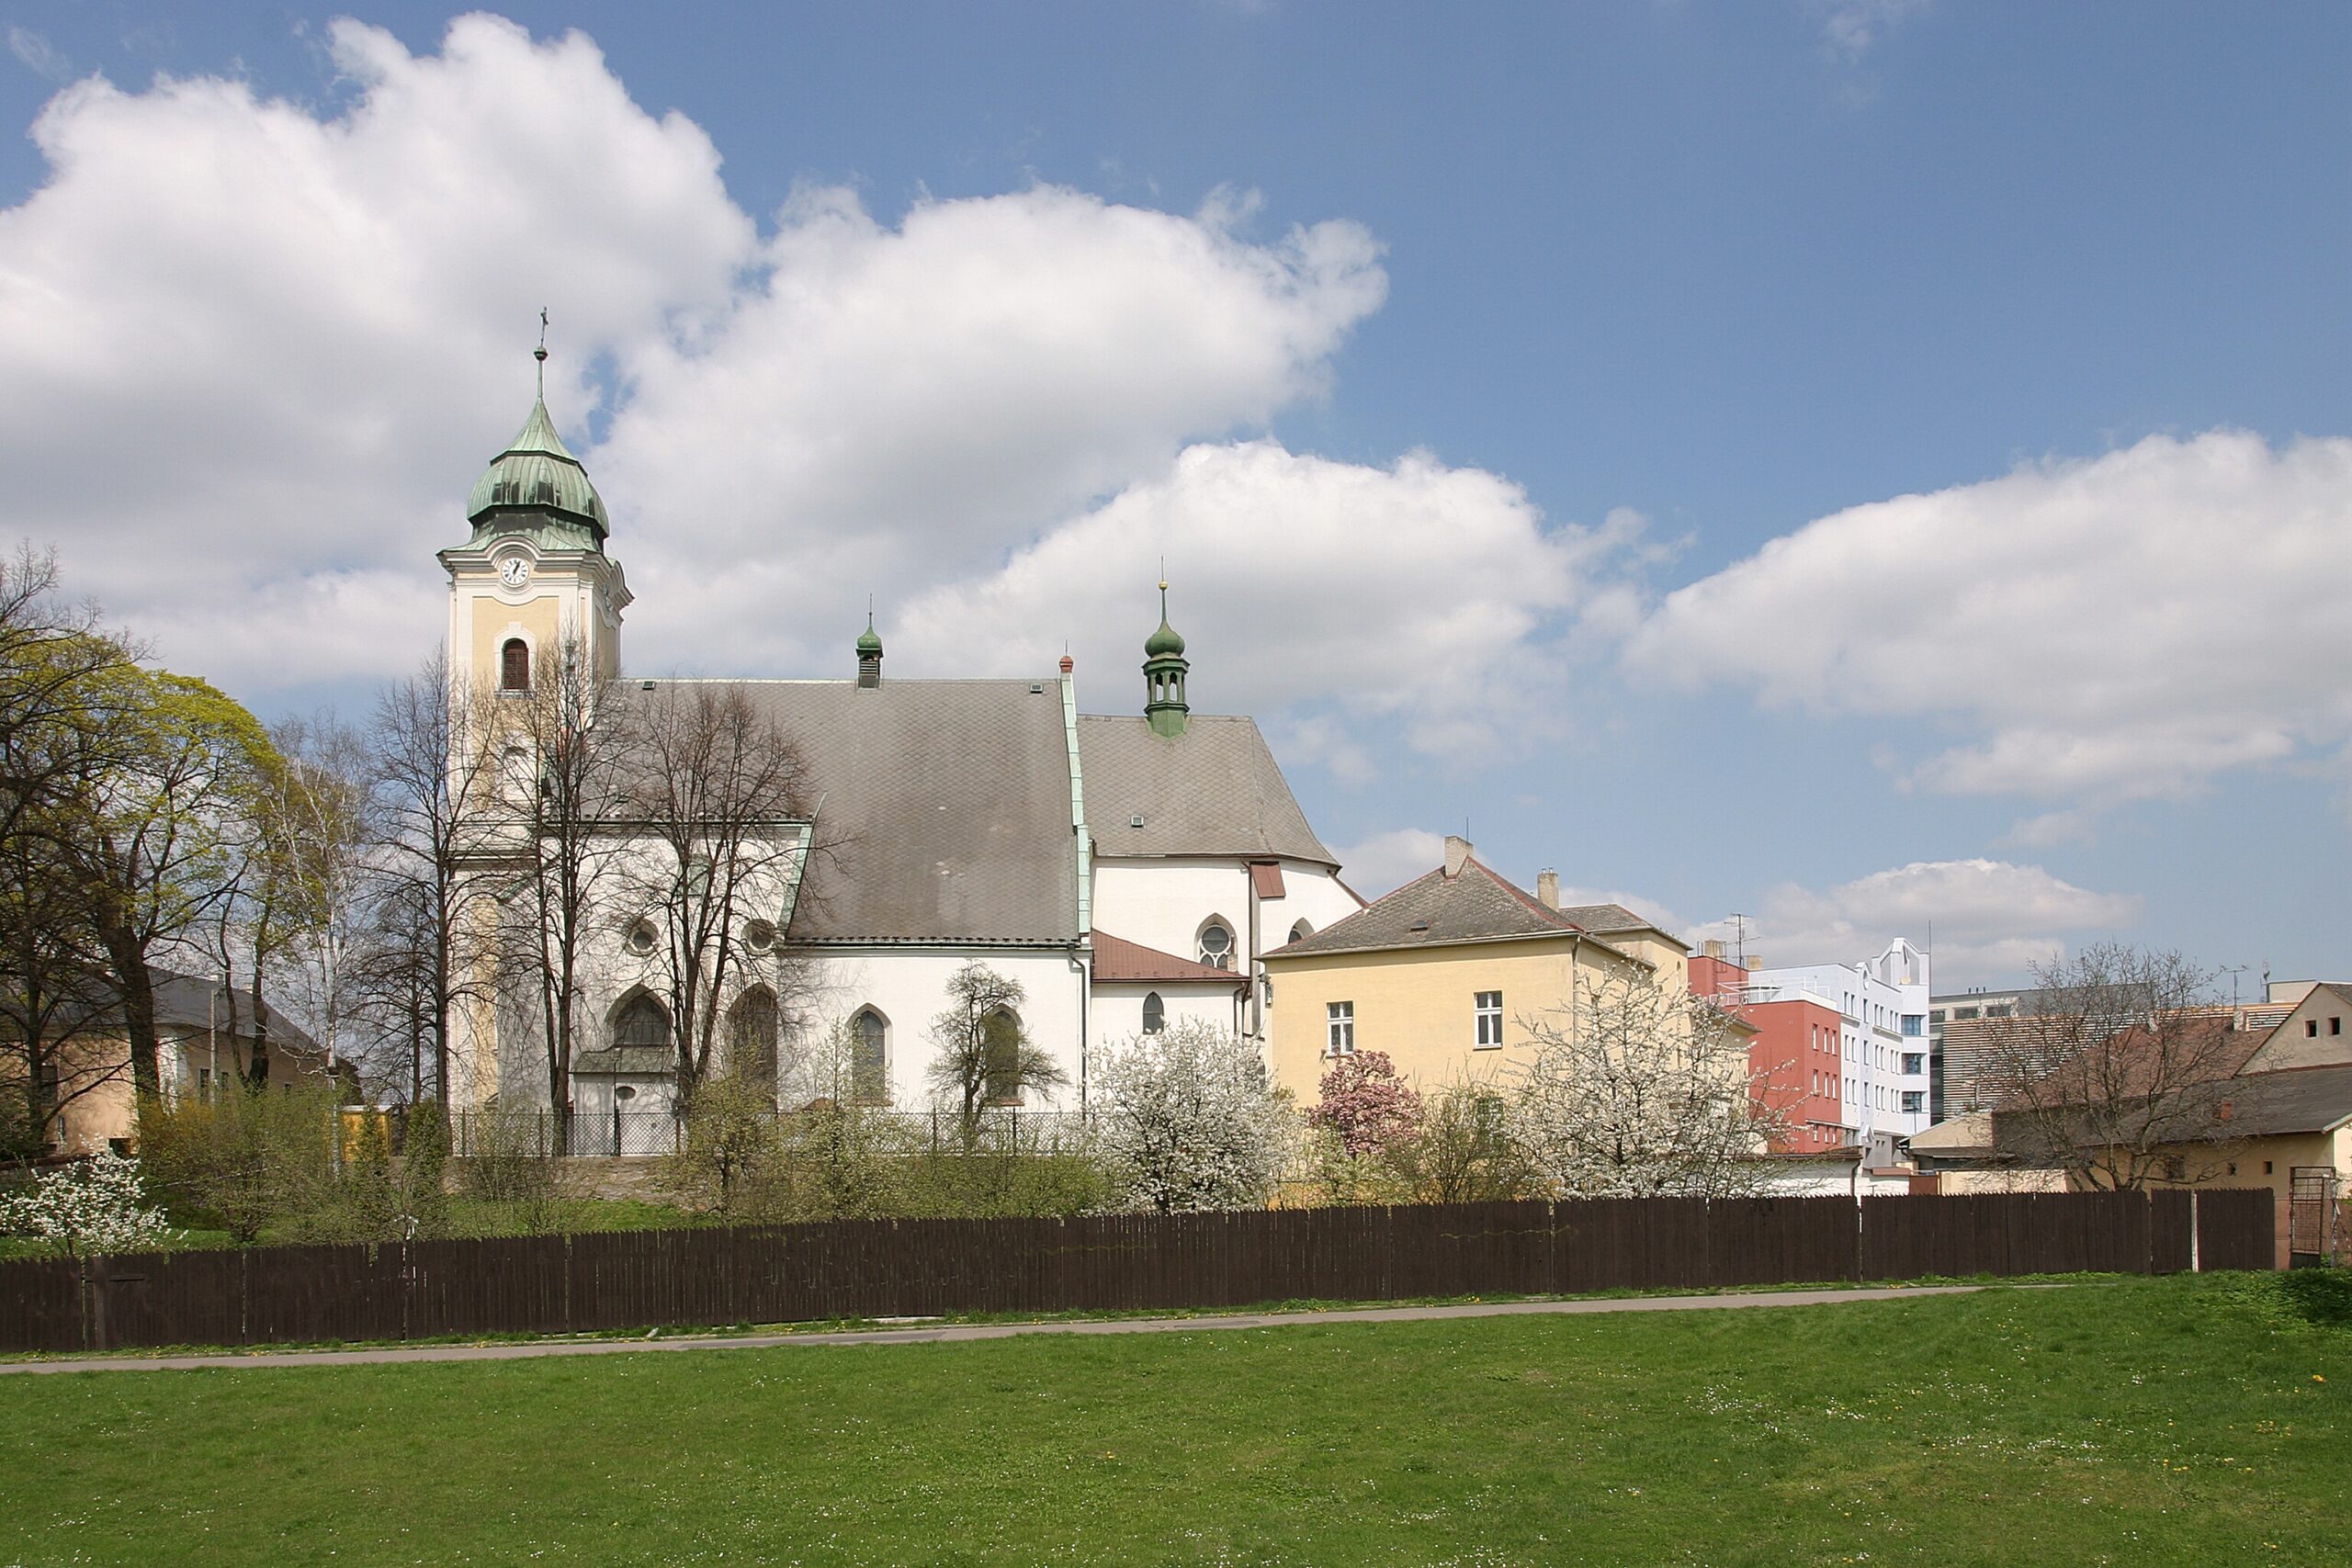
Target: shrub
<point x="91" y="1207"/>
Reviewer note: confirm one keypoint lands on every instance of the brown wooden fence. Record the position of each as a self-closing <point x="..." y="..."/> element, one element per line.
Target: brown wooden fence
<point x="626" y="1279"/>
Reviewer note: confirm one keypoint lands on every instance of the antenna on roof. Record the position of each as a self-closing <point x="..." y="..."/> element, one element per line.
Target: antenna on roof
<point x="1739" y="937"/>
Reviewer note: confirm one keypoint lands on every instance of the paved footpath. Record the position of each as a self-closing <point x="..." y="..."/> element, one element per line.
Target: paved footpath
<point x="958" y="1332"/>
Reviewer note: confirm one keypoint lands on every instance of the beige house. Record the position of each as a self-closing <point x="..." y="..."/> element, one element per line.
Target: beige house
<point x="1445" y="973"/>
<point x="206" y="1039"/>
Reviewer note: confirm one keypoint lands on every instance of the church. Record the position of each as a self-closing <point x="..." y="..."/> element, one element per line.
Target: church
<point x="1127" y="870"/>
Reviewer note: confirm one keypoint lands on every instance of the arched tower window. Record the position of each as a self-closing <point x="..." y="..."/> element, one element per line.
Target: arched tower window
<point x="641" y="1022"/>
<point x="515" y="666"/>
<point x="751" y="1038"/>
<point x="1155" y="1013"/>
<point x="869" y="1058"/>
<point x="1216" y="940"/>
<point x="1001" y="1040"/>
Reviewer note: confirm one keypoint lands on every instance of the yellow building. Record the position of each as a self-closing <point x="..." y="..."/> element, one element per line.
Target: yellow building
<point x="1445" y="973"/>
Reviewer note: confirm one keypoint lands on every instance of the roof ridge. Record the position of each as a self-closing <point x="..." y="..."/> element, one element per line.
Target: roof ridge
<point x="1530" y="901"/>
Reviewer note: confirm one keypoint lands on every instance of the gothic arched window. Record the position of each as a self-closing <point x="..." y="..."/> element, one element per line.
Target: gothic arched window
<point x="1000" y="1042"/>
<point x="869" y="1058"/>
<point x="751" y="1038"/>
<point x="1155" y="1013"/>
<point x="1301" y="931"/>
<point x="642" y="1021"/>
<point x="515" y="666"/>
<point x="1216" y="943"/>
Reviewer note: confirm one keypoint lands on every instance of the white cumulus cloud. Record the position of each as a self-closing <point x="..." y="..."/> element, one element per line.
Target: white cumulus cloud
<point x="1417" y="595"/>
<point x="2123" y="626"/>
<point x="1985" y="917"/>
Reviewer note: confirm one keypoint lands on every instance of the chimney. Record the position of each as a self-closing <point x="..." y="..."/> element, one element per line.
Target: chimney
<point x="1457" y="854"/>
<point x="1714" y="948"/>
<point x="1755" y="962"/>
<point x="1547" y="889"/>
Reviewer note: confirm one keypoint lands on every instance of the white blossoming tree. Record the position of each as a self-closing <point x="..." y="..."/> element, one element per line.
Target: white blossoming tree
<point x="89" y="1208"/>
<point x="1640" y="1089"/>
<point x="1187" y="1121"/>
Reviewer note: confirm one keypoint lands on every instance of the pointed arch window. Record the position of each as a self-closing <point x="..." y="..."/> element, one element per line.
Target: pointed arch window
<point x="1301" y="931"/>
<point x="641" y="1023"/>
<point x="1155" y="1013"/>
<point x="1215" y="943"/>
<point x="515" y="666"/>
<point x="1000" y="1042"/>
<point x="751" y="1038"/>
<point x="869" y="1058"/>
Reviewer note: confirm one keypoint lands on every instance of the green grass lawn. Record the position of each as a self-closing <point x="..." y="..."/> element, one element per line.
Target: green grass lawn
<point x="2191" y="1420"/>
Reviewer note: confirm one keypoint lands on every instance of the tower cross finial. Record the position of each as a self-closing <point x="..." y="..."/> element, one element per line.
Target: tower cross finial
<point x="540" y="353"/>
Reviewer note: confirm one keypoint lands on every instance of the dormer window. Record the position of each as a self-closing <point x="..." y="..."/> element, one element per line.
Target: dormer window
<point x="515" y="666"/>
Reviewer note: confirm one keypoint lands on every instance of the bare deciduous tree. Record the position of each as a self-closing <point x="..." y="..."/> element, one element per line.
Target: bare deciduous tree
<point x="434" y="748"/>
<point x="2120" y="1076"/>
<point x="986" y="1056"/>
<point x="562" y="752"/>
<point x="718" y="793"/>
<point x="1638" y="1090"/>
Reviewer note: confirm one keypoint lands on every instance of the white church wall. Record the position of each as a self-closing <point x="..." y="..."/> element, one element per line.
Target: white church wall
<point x="1117" y="1013"/>
<point x="909" y="988"/>
<point x="1162" y="902"/>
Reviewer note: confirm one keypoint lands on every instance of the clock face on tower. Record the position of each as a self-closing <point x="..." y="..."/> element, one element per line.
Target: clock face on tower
<point x="513" y="572"/>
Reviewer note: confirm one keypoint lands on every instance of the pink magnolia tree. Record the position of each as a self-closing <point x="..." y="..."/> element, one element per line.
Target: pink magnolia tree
<point x="1364" y="1105"/>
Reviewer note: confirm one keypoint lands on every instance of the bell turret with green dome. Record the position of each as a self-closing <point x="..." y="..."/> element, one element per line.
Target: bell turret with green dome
<point x="1164" y="669"/>
<point x="536" y="488"/>
<point x="869" y="654"/>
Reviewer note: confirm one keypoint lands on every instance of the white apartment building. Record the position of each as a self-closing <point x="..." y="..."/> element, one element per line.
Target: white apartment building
<point x="1883" y="1038"/>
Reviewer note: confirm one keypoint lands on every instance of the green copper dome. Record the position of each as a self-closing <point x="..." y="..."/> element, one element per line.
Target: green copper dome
<point x="868" y="641"/>
<point x="1163" y="643"/>
<point x="538" y="473"/>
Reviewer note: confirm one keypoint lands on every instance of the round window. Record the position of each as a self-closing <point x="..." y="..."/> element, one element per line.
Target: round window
<point x="1216" y="945"/>
<point x="758" y="935"/>
<point x="642" y="937"/>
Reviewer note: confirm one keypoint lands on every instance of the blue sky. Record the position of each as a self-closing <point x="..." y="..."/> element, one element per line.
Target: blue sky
<point x="1856" y="464"/>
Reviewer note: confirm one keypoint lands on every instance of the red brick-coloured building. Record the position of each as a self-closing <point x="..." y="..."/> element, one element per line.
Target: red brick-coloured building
<point x="1793" y="1060"/>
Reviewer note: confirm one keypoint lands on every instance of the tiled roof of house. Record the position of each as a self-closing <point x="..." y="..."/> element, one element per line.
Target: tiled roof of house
<point x="1477" y="904"/>
<point x="1120" y="962"/>
<point x="192" y="1001"/>
<point x="1213" y="789"/>
<point x="2297" y="1100"/>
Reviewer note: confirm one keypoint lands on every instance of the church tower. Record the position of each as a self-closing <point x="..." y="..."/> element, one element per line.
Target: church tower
<point x="1163" y="675"/>
<point x="535" y="571"/>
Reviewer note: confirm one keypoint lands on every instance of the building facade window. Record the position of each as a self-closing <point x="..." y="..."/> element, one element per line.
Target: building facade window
<point x="515" y="666"/>
<point x="1914" y="1101"/>
<point x="869" y="1058"/>
<point x="1300" y="931"/>
<point x="1155" y="1013"/>
<point x="1486" y="1012"/>
<point x="1001" y="1039"/>
<point x="1216" y="943"/>
<point x="752" y="1038"/>
<point x="1914" y="1024"/>
<point x="1339" y="1028"/>
<point x="642" y="1021"/>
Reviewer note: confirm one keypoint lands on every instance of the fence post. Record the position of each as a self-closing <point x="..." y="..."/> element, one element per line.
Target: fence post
<point x="2196" y="1262"/>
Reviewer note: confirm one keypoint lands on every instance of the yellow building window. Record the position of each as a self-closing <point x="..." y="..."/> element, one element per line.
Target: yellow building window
<point x="1487" y="1011"/>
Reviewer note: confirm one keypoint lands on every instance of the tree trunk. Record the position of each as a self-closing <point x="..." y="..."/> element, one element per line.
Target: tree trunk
<point x="128" y="957"/>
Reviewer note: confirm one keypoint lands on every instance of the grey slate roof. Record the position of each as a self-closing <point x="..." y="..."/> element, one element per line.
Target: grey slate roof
<point x="192" y="1001"/>
<point x="2294" y="1099"/>
<point x="1435" y="909"/>
<point x="1605" y="918"/>
<point x="1213" y="790"/>
<point x="949" y="801"/>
